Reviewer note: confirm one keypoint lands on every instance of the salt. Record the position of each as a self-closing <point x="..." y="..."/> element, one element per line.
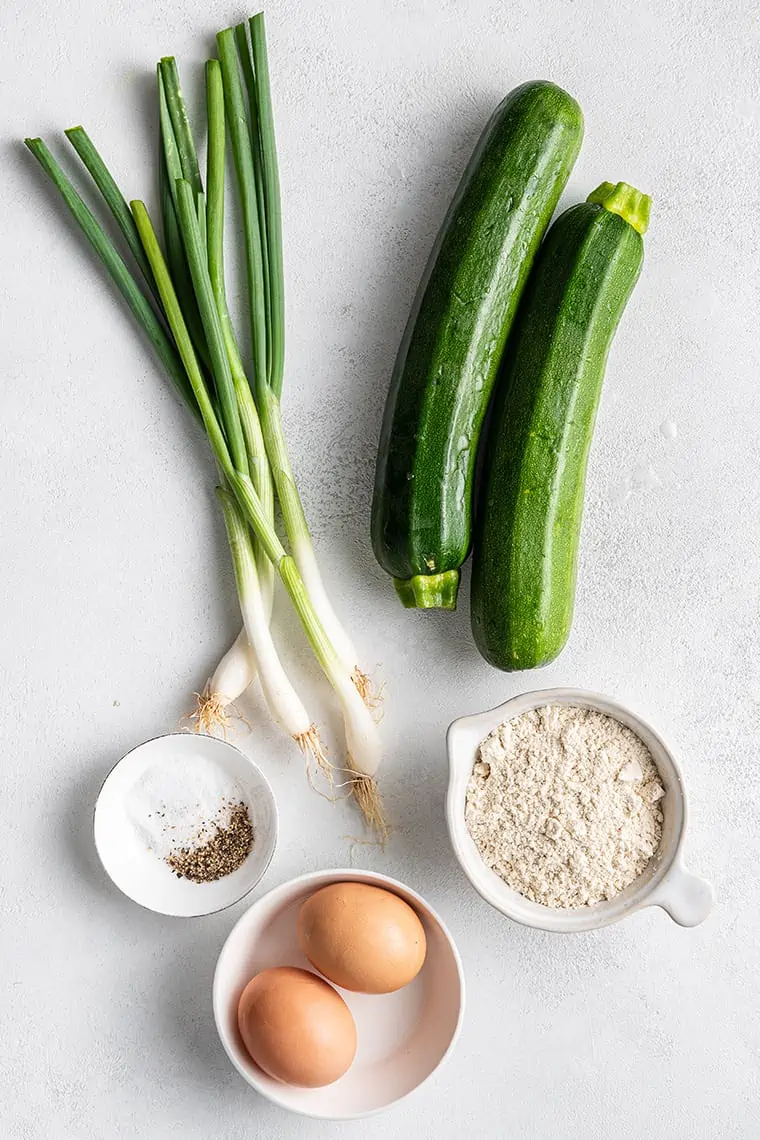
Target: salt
<point x="173" y="802"/>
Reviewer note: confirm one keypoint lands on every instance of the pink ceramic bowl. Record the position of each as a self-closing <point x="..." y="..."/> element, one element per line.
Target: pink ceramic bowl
<point x="403" y="1037"/>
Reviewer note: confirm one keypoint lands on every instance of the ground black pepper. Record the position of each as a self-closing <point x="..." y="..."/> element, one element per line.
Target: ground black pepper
<point x="223" y="852"/>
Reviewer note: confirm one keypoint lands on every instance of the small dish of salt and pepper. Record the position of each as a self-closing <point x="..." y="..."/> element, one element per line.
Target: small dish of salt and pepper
<point x="185" y="824"/>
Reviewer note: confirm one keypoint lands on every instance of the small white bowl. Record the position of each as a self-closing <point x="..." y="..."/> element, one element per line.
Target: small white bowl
<point x="666" y="882"/>
<point x="402" y="1037"/>
<point x="138" y="871"/>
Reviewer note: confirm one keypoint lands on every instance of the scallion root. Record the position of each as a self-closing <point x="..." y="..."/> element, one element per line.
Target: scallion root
<point x="214" y="714"/>
<point x="215" y="710"/>
<point x="310" y="744"/>
<point x="367" y="795"/>
<point x="372" y="697"/>
<point x="211" y="716"/>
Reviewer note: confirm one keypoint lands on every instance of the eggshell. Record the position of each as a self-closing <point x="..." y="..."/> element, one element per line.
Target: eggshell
<point x="362" y="938"/>
<point x="296" y="1027"/>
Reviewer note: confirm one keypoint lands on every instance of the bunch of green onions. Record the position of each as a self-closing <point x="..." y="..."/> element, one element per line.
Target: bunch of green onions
<point x="185" y="315"/>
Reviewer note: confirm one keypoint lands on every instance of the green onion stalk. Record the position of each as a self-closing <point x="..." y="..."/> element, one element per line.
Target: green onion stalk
<point x="251" y="130"/>
<point x="226" y="438"/>
<point x="198" y="218"/>
<point x="191" y="331"/>
<point x="252" y="136"/>
<point x="237" y="667"/>
<point x="182" y="365"/>
<point x="233" y="460"/>
<point x="202" y="231"/>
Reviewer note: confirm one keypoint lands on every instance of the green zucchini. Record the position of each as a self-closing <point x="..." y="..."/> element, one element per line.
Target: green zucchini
<point x="450" y="352"/>
<point x="529" y="515"/>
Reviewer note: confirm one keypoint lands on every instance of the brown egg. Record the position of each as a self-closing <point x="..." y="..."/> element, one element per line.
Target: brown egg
<point x="362" y="938"/>
<point x="296" y="1027"/>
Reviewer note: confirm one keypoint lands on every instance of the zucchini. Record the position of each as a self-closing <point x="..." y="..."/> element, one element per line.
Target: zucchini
<point x="450" y="351"/>
<point x="526" y="548"/>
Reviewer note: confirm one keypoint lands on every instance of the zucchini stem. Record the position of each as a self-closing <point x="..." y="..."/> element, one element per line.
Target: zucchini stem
<point x="429" y="591"/>
<point x="625" y="200"/>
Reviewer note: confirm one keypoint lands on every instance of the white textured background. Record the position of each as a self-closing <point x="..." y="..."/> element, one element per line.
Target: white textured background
<point x="117" y="595"/>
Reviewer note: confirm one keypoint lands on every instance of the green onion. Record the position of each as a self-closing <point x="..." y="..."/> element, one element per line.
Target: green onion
<point x="237" y="667"/>
<point x="257" y="457"/>
<point x="361" y="735"/>
<point x="177" y="324"/>
<point x="232" y="676"/>
<point x="271" y="180"/>
<point x="252" y="140"/>
<point x="237" y="124"/>
<point x="241" y="415"/>
<point x="117" y="270"/>
<point x="112" y="196"/>
<point x="195" y="251"/>
<point x="187" y="160"/>
<point x="169" y="172"/>
<point x="246" y="63"/>
<point x="254" y="151"/>
<point x="282" y="700"/>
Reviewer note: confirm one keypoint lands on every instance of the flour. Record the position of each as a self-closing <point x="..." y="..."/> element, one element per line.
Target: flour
<point x="564" y="805"/>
